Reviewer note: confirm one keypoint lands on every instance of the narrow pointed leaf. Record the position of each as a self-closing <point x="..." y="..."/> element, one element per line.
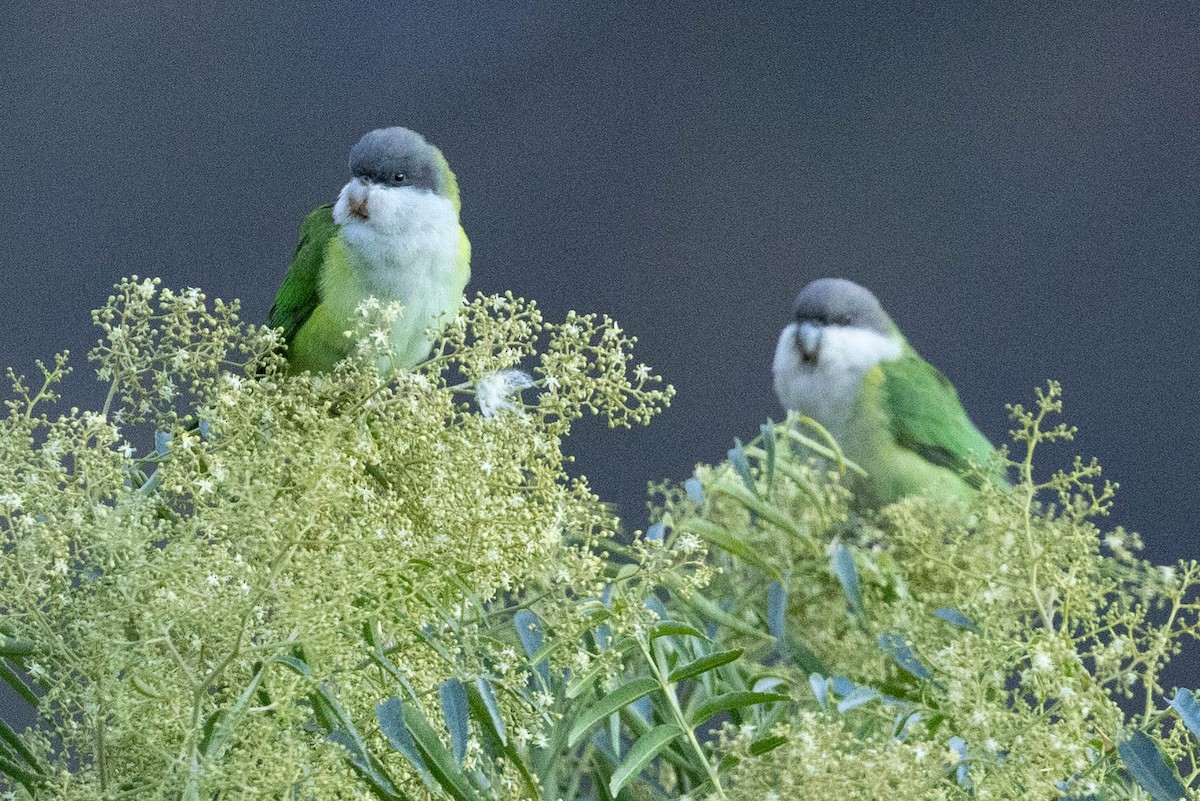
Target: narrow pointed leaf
<point x="798" y="653"/>
<point x="955" y="618"/>
<point x="14" y="741"/>
<point x="614" y="701"/>
<point x="730" y="701"/>
<point x="12" y="648"/>
<point x="454" y="707"/>
<point x="645" y="749"/>
<point x="673" y="628"/>
<point x="1184" y="703"/>
<point x="760" y="747"/>
<point x="438" y="760"/>
<point x="529" y="629"/>
<point x="767" y="430"/>
<point x="222" y="723"/>
<point x="764" y="509"/>
<point x="718" y="536"/>
<point x="847" y="575"/>
<point x="900" y="651"/>
<point x="857" y="697"/>
<point x="820" y="688"/>
<point x="1149" y="768"/>
<point x="367" y="767"/>
<point x="741" y="466"/>
<point x="390" y="714"/>
<point x="777" y="601"/>
<point x="14" y="680"/>
<point x="28" y="779"/>
<point x="703" y="664"/>
<point x="491" y="709"/>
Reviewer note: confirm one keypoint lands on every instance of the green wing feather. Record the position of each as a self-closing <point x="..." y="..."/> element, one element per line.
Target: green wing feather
<point x="926" y="416"/>
<point x="300" y="293"/>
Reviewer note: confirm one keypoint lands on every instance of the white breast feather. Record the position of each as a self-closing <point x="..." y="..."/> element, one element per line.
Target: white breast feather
<point x="828" y="390"/>
<point x="407" y="251"/>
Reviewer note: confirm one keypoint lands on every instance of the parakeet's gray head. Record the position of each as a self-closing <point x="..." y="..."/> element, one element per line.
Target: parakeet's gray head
<point x="400" y="184"/>
<point x="399" y="157"/>
<point x="838" y="332"/>
<point x="836" y="303"/>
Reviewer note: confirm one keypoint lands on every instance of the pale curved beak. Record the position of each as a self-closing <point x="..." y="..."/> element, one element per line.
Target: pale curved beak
<point x="808" y="342"/>
<point x="357" y="200"/>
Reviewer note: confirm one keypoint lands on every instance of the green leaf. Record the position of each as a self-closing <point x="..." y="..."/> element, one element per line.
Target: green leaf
<point x="847" y="576"/>
<point x="364" y="763"/>
<point x="798" y="652"/>
<point x="26" y="778"/>
<point x="955" y="618"/>
<point x="12" y="648"/>
<point x="767" y="432"/>
<point x="454" y="707"/>
<point x="857" y="697"/>
<point x="390" y="714"/>
<point x="673" y="628"/>
<point x="741" y="466"/>
<point x="14" y="741"/>
<point x="760" y="747"/>
<point x="1149" y="768"/>
<point x="617" y="699"/>
<point x="533" y="639"/>
<point x="645" y="749"/>
<point x="438" y="761"/>
<point x="718" y="536"/>
<point x="777" y="604"/>
<point x="10" y="677"/>
<point x="898" y="648"/>
<point x="704" y="664"/>
<point x="490" y="716"/>
<point x="1184" y="703"/>
<point x="219" y="729"/>
<point x="729" y="701"/>
<point x="764" y="509"/>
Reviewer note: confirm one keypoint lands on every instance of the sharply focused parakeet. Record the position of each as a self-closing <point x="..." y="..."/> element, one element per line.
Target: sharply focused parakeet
<point x="393" y="234"/>
<point x="843" y="362"/>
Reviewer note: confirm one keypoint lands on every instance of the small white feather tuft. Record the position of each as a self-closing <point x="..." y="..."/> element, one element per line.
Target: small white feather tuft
<point x="494" y="390"/>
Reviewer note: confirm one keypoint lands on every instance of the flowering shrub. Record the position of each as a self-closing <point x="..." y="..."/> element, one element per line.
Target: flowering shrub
<point x="362" y="585"/>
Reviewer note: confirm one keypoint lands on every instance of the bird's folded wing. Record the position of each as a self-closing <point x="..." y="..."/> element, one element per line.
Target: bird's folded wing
<point x="926" y="417"/>
<point x="300" y="293"/>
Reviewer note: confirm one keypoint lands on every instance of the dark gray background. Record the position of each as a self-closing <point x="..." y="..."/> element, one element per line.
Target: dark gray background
<point x="1018" y="184"/>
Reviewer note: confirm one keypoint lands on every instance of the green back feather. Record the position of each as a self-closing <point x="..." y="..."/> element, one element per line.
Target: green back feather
<point x="300" y="293"/>
<point x="926" y="416"/>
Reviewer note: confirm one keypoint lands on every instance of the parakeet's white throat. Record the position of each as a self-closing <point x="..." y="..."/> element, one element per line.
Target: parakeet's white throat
<point x="404" y="243"/>
<point x="824" y="385"/>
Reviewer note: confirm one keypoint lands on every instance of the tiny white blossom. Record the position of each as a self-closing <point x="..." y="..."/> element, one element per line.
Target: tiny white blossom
<point x="213" y="580"/>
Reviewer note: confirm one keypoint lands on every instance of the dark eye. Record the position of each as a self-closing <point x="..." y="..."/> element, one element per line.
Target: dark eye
<point x="399" y="178"/>
<point x="842" y="319"/>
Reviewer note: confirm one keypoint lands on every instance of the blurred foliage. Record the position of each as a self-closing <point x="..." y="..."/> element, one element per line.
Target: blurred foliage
<point x="365" y="586"/>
